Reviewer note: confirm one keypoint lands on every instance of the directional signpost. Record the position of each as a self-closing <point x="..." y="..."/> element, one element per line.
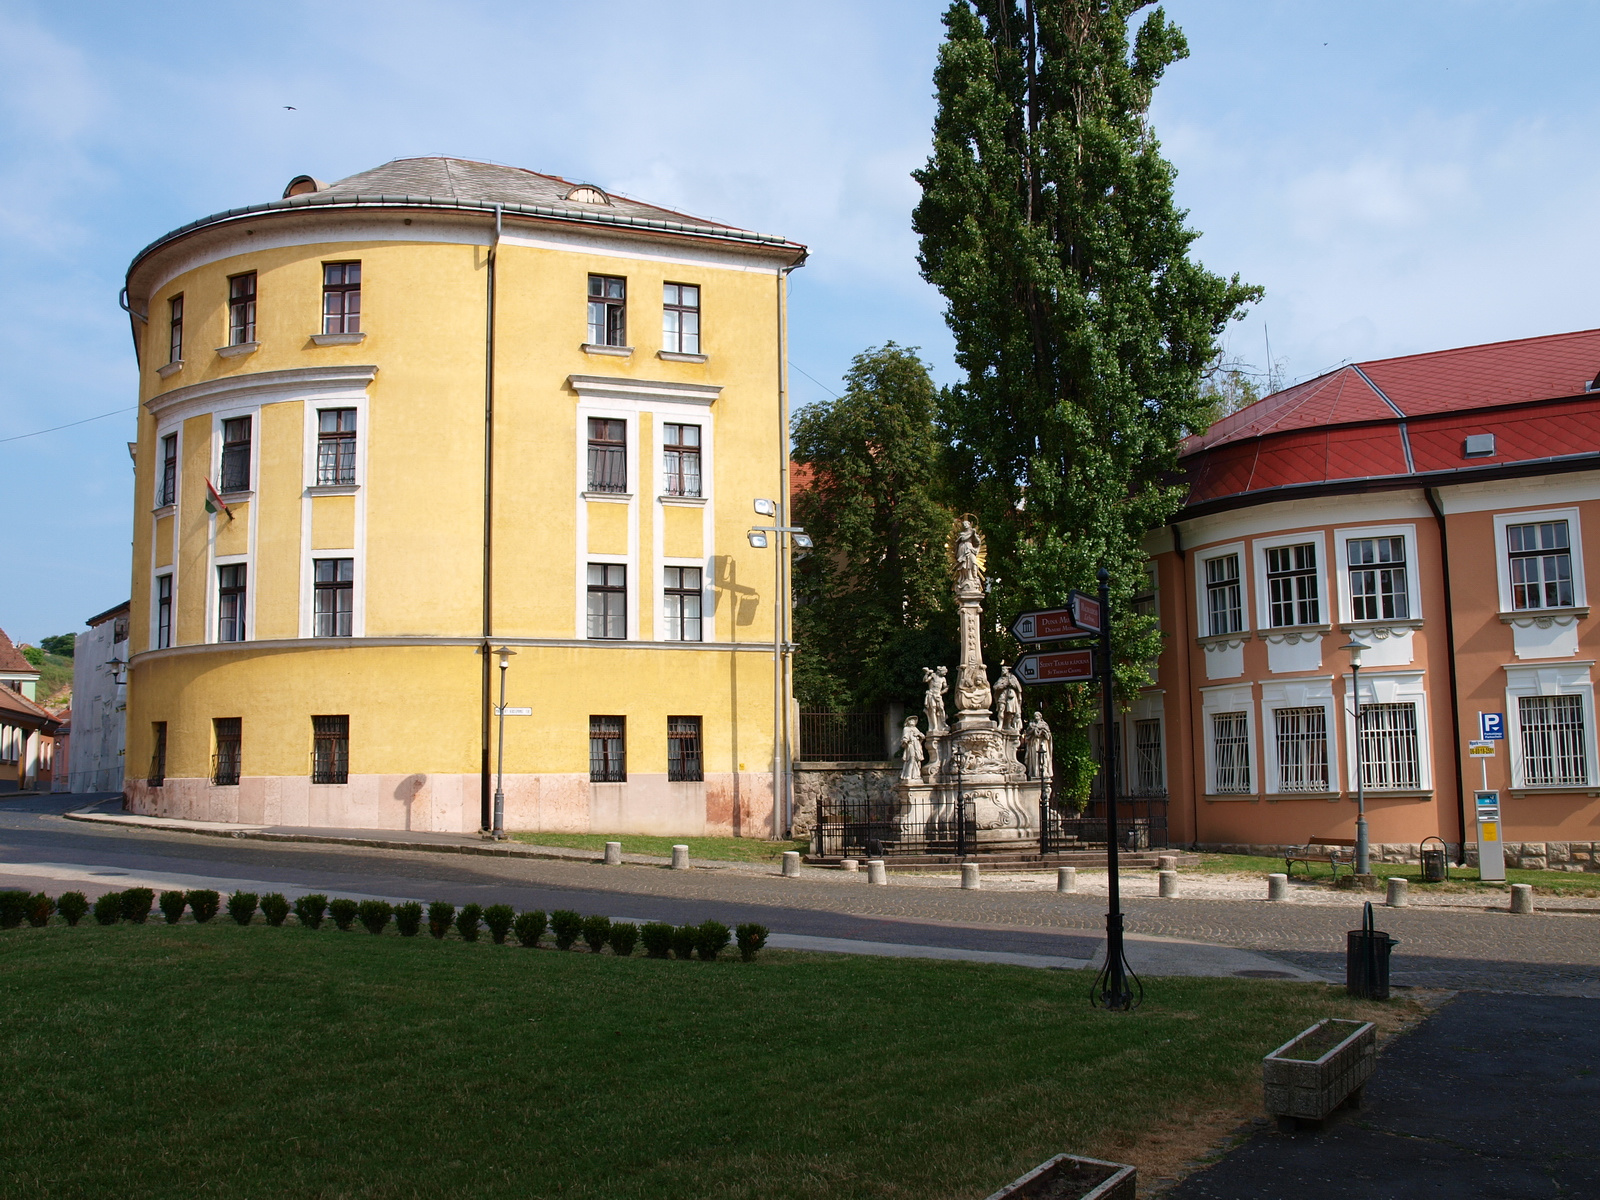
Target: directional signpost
<point x="1056" y="666"/>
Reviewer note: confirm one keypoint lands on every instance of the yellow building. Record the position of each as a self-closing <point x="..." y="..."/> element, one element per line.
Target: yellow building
<point x="434" y="409"/>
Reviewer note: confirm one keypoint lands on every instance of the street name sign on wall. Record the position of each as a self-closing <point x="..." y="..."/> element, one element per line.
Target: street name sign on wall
<point x="1056" y="666"/>
<point x="513" y="712"/>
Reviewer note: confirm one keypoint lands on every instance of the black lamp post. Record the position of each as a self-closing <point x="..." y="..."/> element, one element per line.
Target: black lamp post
<point x="1362" y="856"/>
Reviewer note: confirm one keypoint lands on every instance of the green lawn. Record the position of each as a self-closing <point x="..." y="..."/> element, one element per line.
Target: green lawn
<point x="155" y="1061"/>
<point x="1462" y="879"/>
<point x="722" y="849"/>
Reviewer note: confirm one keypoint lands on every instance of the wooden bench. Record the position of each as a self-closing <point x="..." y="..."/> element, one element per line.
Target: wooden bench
<point x="1323" y="849"/>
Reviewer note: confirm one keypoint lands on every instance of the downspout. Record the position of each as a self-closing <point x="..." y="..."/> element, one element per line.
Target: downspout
<point x="1432" y="495"/>
<point x="1195" y="770"/>
<point x="484" y="783"/>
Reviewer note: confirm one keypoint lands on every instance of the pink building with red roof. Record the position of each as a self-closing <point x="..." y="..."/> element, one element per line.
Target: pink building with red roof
<point x="1432" y="508"/>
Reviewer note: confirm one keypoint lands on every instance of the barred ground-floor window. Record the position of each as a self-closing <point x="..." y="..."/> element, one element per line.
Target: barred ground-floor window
<point x="330" y="749"/>
<point x="1230" y="749"/>
<point x="1302" y="748"/>
<point x="1149" y="765"/>
<point x="1389" y="749"/>
<point x="608" y="750"/>
<point x="1554" y="741"/>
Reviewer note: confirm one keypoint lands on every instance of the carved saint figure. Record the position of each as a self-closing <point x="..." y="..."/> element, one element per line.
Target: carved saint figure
<point x="911" y="750"/>
<point x="936" y="679"/>
<point x="969" y="547"/>
<point x="1008" y="702"/>
<point x="1039" y="749"/>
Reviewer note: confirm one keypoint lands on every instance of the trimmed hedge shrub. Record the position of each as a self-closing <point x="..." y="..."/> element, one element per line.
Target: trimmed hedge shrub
<point x="73" y="906"/>
<point x="375" y="915"/>
<point x="441" y="914"/>
<point x="467" y="922"/>
<point x="172" y="906"/>
<point x="108" y="909"/>
<point x="596" y="931"/>
<point x="136" y="904"/>
<point x="623" y="936"/>
<point x="683" y="940"/>
<point x="751" y="938"/>
<point x="13" y="908"/>
<point x="242" y="907"/>
<point x="530" y="926"/>
<point x="40" y="910"/>
<point x="408" y="918"/>
<point x="275" y="908"/>
<point x="344" y="912"/>
<point x="710" y="938"/>
<point x="309" y="910"/>
<point x="567" y="926"/>
<point x="657" y="938"/>
<point x="499" y="918"/>
<point x="204" y="904"/>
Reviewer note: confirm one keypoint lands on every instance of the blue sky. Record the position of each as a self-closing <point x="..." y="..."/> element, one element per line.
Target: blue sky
<point x="1399" y="178"/>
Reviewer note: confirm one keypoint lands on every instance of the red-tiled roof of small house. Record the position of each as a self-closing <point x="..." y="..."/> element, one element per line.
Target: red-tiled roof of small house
<point x="11" y="660"/>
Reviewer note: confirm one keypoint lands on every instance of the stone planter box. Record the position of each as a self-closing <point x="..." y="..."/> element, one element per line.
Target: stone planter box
<point x="1316" y="1071"/>
<point x="1069" y="1177"/>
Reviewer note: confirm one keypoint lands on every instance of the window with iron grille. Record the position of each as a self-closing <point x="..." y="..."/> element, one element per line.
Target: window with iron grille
<point x="608" y="750"/>
<point x="1302" y="749"/>
<point x="1224" y="604"/>
<point x="1149" y="759"/>
<point x="175" y="329"/>
<point x="334" y="584"/>
<point x="1147" y="600"/>
<point x="680" y="318"/>
<point x="168" y="492"/>
<point x="336" y="446"/>
<point x="225" y="764"/>
<point x="1389" y="757"/>
<point x="341" y="297"/>
<point x="608" y="600"/>
<point x="1541" y="565"/>
<point x="1378" y="579"/>
<point x="231" y="602"/>
<point x="330" y="749"/>
<point x="1292" y="585"/>
<point x="236" y="454"/>
<point x="1554" y="742"/>
<point x="683" y="750"/>
<point x="1230" y="751"/>
<point x="608" y="455"/>
<point x="680" y="605"/>
<point x="158" y="754"/>
<point x="241" y="309"/>
<point x="163" y="611"/>
<point x="608" y="319"/>
<point x="681" y="454"/>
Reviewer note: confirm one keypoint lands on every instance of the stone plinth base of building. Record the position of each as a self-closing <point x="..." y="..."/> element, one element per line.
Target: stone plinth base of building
<point x="1527" y="856"/>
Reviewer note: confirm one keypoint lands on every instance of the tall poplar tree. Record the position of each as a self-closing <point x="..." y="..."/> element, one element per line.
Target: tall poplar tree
<point x="1082" y="324"/>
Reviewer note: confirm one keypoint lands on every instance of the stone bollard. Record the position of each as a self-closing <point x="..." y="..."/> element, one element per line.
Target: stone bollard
<point x="1166" y="862"/>
<point x="1169" y="884"/>
<point x="1066" y="879"/>
<point x="1522" y="897"/>
<point x="848" y="864"/>
<point x="1278" y="886"/>
<point x="680" y="858"/>
<point x="969" y="877"/>
<point x="613" y="854"/>
<point x="1397" y="892"/>
<point x="791" y="863"/>
<point x="877" y="872"/>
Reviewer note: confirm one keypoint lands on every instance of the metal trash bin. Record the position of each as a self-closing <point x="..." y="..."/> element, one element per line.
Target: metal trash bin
<point x="1366" y="959"/>
<point x="1435" y="861"/>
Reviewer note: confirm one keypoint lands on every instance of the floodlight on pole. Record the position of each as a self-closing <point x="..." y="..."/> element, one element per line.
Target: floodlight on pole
<point x="798" y="539"/>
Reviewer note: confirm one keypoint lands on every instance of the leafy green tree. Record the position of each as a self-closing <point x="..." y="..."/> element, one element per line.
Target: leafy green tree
<point x="873" y="604"/>
<point x="1081" y="322"/>
<point x="34" y="655"/>
<point x="59" y="643"/>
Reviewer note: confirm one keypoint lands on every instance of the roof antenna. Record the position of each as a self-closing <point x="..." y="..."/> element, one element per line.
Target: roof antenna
<point x="1272" y="376"/>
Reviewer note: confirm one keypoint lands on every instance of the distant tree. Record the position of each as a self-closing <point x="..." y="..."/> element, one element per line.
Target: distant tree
<point x="59" y="643"/>
<point x="1228" y="388"/>
<point x="34" y="655"/>
<point x="873" y="603"/>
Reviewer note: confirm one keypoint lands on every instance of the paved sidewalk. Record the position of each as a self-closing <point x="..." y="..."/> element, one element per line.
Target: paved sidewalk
<point x="1492" y="1096"/>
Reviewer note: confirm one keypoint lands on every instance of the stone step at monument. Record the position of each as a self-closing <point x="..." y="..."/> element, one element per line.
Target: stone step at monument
<point x="1014" y="860"/>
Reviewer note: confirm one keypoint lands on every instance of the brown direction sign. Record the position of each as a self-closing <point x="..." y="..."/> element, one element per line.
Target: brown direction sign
<point x="1085" y="611"/>
<point x="1056" y="666"/>
<point x="1081" y="618"/>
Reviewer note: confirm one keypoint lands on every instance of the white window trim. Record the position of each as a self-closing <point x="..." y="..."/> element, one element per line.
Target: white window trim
<point x="1341" y="540"/>
<point x="1390" y="687"/>
<point x="1258" y="558"/>
<point x="1150" y="706"/>
<point x="314" y="405"/>
<point x="1202" y="607"/>
<point x="707" y="595"/>
<point x="1502" y="556"/>
<point x="1232" y="697"/>
<point x="253" y="411"/>
<point x="156" y="576"/>
<point x="1313" y="692"/>
<point x="631" y="598"/>
<point x="308" y="593"/>
<point x="629" y="416"/>
<point x="213" y="600"/>
<point x="1554" y="679"/>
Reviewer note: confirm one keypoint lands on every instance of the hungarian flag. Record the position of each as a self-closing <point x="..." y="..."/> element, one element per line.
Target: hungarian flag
<point x="214" y="502"/>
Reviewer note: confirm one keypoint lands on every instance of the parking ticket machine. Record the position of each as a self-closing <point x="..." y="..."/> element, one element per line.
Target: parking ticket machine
<point x="1491" y="856"/>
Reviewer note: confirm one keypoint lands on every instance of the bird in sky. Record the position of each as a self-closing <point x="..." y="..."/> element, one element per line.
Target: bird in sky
<point x="290" y="107"/>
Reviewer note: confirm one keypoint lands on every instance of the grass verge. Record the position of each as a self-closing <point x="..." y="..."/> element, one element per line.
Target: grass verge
<point x="719" y="849"/>
<point x="225" y="1061"/>
<point x="1462" y="879"/>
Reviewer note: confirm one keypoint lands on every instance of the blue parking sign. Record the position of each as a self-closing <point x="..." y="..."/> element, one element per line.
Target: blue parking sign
<point x="1492" y="726"/>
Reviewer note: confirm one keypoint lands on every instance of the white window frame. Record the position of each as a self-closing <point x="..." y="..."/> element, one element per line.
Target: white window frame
<point x="1258" y="558"/>
<point x="174" y="430"/>
<point x="313" y="407"/>
<point x="1150" y="706"/>
<point x="1202" y="598"/>
<point x="1553" y="679"/>
<point x="706" y="598"/>
<point x="170" y="574"/>
<point x="1390" y="687"/>
<point x="1346" y="598"/>
<point x="218" y="417"/>
<point x="1502" y="556"/>
<point x="1232" y="697"/>
<point x="214" y="599"/>
<point x="1313" y="692"/>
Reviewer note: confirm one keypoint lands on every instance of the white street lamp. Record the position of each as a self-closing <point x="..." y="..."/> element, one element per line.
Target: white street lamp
<point x="1354" y="648"/>
<point x="505" y="653"/>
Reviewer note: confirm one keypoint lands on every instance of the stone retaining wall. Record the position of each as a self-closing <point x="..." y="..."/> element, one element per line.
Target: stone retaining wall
<point x="830" y="782"/>
<point x="1529" y="856"/>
